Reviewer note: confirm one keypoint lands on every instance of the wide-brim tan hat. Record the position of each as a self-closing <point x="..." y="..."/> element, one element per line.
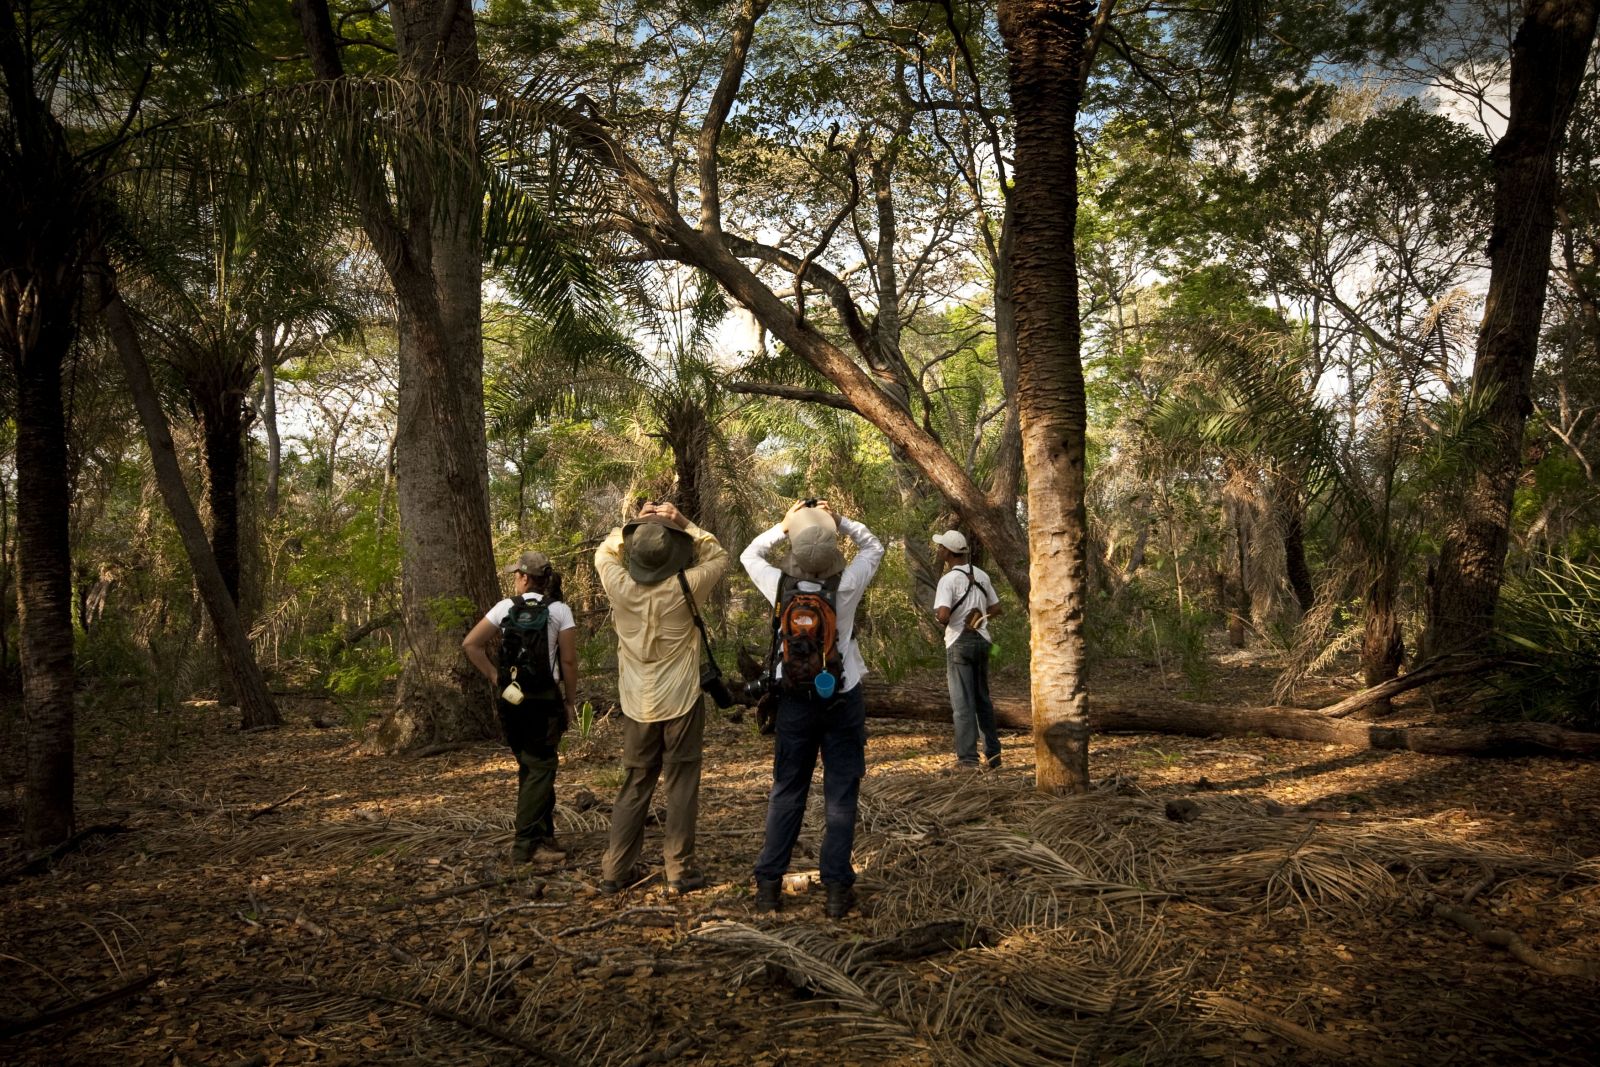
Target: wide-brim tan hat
<point x="654" y="549"/>
<point x="813" y="553"/>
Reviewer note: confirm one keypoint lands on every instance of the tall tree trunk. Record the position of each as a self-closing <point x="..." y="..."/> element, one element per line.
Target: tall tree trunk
<point x="1292" y="513"/>
<point x="222" y="426"/>
<point x="688" y="439"/>
<point x="5" y="584"/>
<point x="1044" y="45"/>
<point x="428" y="236"/>
<point x="222" y="432"/>
<point x="269" y="420"/>
<point x="1382" y="643"/>
<point x="1006" y="481"/>
<point x="255" y="701"/>
<point x="1548" y="60"/>
<point x="44" y="565"/>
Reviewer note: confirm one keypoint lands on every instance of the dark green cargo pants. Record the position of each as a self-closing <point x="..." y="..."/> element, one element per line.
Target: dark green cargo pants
<point x="533" y="730"/>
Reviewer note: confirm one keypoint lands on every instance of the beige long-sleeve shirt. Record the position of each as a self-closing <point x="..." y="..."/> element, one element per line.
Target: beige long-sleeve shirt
<point x="658" y="647"/>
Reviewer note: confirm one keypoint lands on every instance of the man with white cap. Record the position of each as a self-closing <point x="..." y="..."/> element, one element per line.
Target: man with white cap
<point x="649" y="569"/>
<point x="534" y="708"/>
<point x="818" y="713"/>
<point x="964" y="602"/>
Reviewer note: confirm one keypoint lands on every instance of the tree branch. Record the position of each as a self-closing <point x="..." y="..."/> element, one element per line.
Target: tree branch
<point x="794" y="392"/>
<point x="717" y="113"/>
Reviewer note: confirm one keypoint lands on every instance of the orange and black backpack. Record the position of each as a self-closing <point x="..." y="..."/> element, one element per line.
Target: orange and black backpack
<point x="805" y="634"/>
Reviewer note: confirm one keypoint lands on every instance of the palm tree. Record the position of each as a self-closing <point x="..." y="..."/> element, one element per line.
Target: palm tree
<point x="82" y="83"/>
<point x="1045" y="43"/>
<point x="218" y="276"/>
<point x="445" y="168"/>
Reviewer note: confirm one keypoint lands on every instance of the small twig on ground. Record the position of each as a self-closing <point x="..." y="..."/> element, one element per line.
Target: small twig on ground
<point x="309" y="927"/>
<point x="39" y="860"/>
<point x="618" y="917"/>
<point x="434" y="898"/>
<point x="13" y="1027"/>
<point x="1514" y="944"/>
<point x="441" y="749"/>
<point x="1282" y="1027"/>
<point x="1479" y="886"/>
<point x="275" y="805"/>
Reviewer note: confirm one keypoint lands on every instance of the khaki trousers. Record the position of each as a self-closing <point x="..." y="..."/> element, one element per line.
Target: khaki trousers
<point x="668" y="750"/>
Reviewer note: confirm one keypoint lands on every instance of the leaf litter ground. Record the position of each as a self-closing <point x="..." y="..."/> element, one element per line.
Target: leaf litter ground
<point x="277" y="898"/>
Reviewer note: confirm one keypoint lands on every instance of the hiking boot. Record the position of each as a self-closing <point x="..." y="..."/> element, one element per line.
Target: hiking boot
<point x="687" y="882"/>
<point x="841" y="898"/>
<point x="547" y="851"/>
<point x="612" y="886"/>
<point x="992" y="763"/>
<point x="769" y="895"/>
<point x="960" y="766"/>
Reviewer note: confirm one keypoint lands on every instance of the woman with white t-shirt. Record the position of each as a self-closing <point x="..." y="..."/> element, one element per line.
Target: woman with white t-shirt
<point x="534" y="724"/>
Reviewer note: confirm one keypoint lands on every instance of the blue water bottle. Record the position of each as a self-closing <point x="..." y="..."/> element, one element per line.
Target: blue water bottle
<point x="825" y="682"/>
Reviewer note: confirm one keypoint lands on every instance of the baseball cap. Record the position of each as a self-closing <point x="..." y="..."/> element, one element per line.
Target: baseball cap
<point x="528" y="563"/>
<point x="952" y="540"/>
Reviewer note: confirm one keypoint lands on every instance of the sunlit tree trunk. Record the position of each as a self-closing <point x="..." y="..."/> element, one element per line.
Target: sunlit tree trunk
<point x="429" y="238"/>
<point x="1548" y="60"/>
<point x="269" y="420"/>
<point x="1044" y="45"/>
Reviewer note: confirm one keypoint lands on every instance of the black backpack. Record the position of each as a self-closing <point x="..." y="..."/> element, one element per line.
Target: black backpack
<point x="525" y="645"/>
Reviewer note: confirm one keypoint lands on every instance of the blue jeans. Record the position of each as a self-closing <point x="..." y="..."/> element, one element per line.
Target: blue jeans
<point x="837" y="730"/>
<point x="967" y="671"/>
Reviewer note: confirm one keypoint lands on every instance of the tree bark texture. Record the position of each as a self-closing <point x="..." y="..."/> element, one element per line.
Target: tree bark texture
<point x="1548" y="58"/>
<point x="255" y="700"/>
<point x="49" y="209"/>
<point x="44" y="565"/>
<point x="1164" y="716"/>
<point x="427" y="229"/>
<point x="222" y="424"/>
<point x="269" y="421"/>
<point x="1044" y="46"/>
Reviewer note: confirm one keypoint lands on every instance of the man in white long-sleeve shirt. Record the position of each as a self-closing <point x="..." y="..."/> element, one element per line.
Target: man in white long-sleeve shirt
<point x="827" y="718"/>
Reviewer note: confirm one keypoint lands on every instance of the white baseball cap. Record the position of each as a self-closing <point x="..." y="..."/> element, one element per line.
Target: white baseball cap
<point x="952" y="540"/>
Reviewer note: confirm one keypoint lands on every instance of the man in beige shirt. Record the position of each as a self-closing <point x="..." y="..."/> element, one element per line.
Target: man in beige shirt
<point x="658" y="666"/>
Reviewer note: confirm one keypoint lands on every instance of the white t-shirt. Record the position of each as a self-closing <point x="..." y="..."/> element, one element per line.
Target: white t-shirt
<point x="956" y="592"/>
<point x="852" y="586"/>
<point x="560" y="619"/>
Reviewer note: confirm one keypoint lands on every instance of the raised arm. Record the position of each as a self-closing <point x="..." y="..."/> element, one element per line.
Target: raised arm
<point x="608" y="563"/>
<point x="710" y="562"/>
<point x="869" y="550"/>
<point x="754" y="560"/>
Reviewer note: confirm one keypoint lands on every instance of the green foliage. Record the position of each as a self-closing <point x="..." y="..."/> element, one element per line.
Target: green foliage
<point x="1549" y="623"/>
<point x="362" y="673"/>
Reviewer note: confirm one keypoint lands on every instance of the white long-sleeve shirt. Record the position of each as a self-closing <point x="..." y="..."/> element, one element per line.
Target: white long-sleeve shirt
<point x="852" y="584"/>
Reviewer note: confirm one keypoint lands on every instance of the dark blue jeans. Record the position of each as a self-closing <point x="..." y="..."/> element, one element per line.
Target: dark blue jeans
<point x="967" y="671"/>
<point x="837" y="730"/>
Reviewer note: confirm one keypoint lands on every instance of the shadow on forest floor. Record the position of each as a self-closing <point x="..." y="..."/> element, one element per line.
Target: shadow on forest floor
<point x="373" y="915"/>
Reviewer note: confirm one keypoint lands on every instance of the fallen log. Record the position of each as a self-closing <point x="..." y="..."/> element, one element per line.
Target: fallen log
<point x="1164" y="716"/>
